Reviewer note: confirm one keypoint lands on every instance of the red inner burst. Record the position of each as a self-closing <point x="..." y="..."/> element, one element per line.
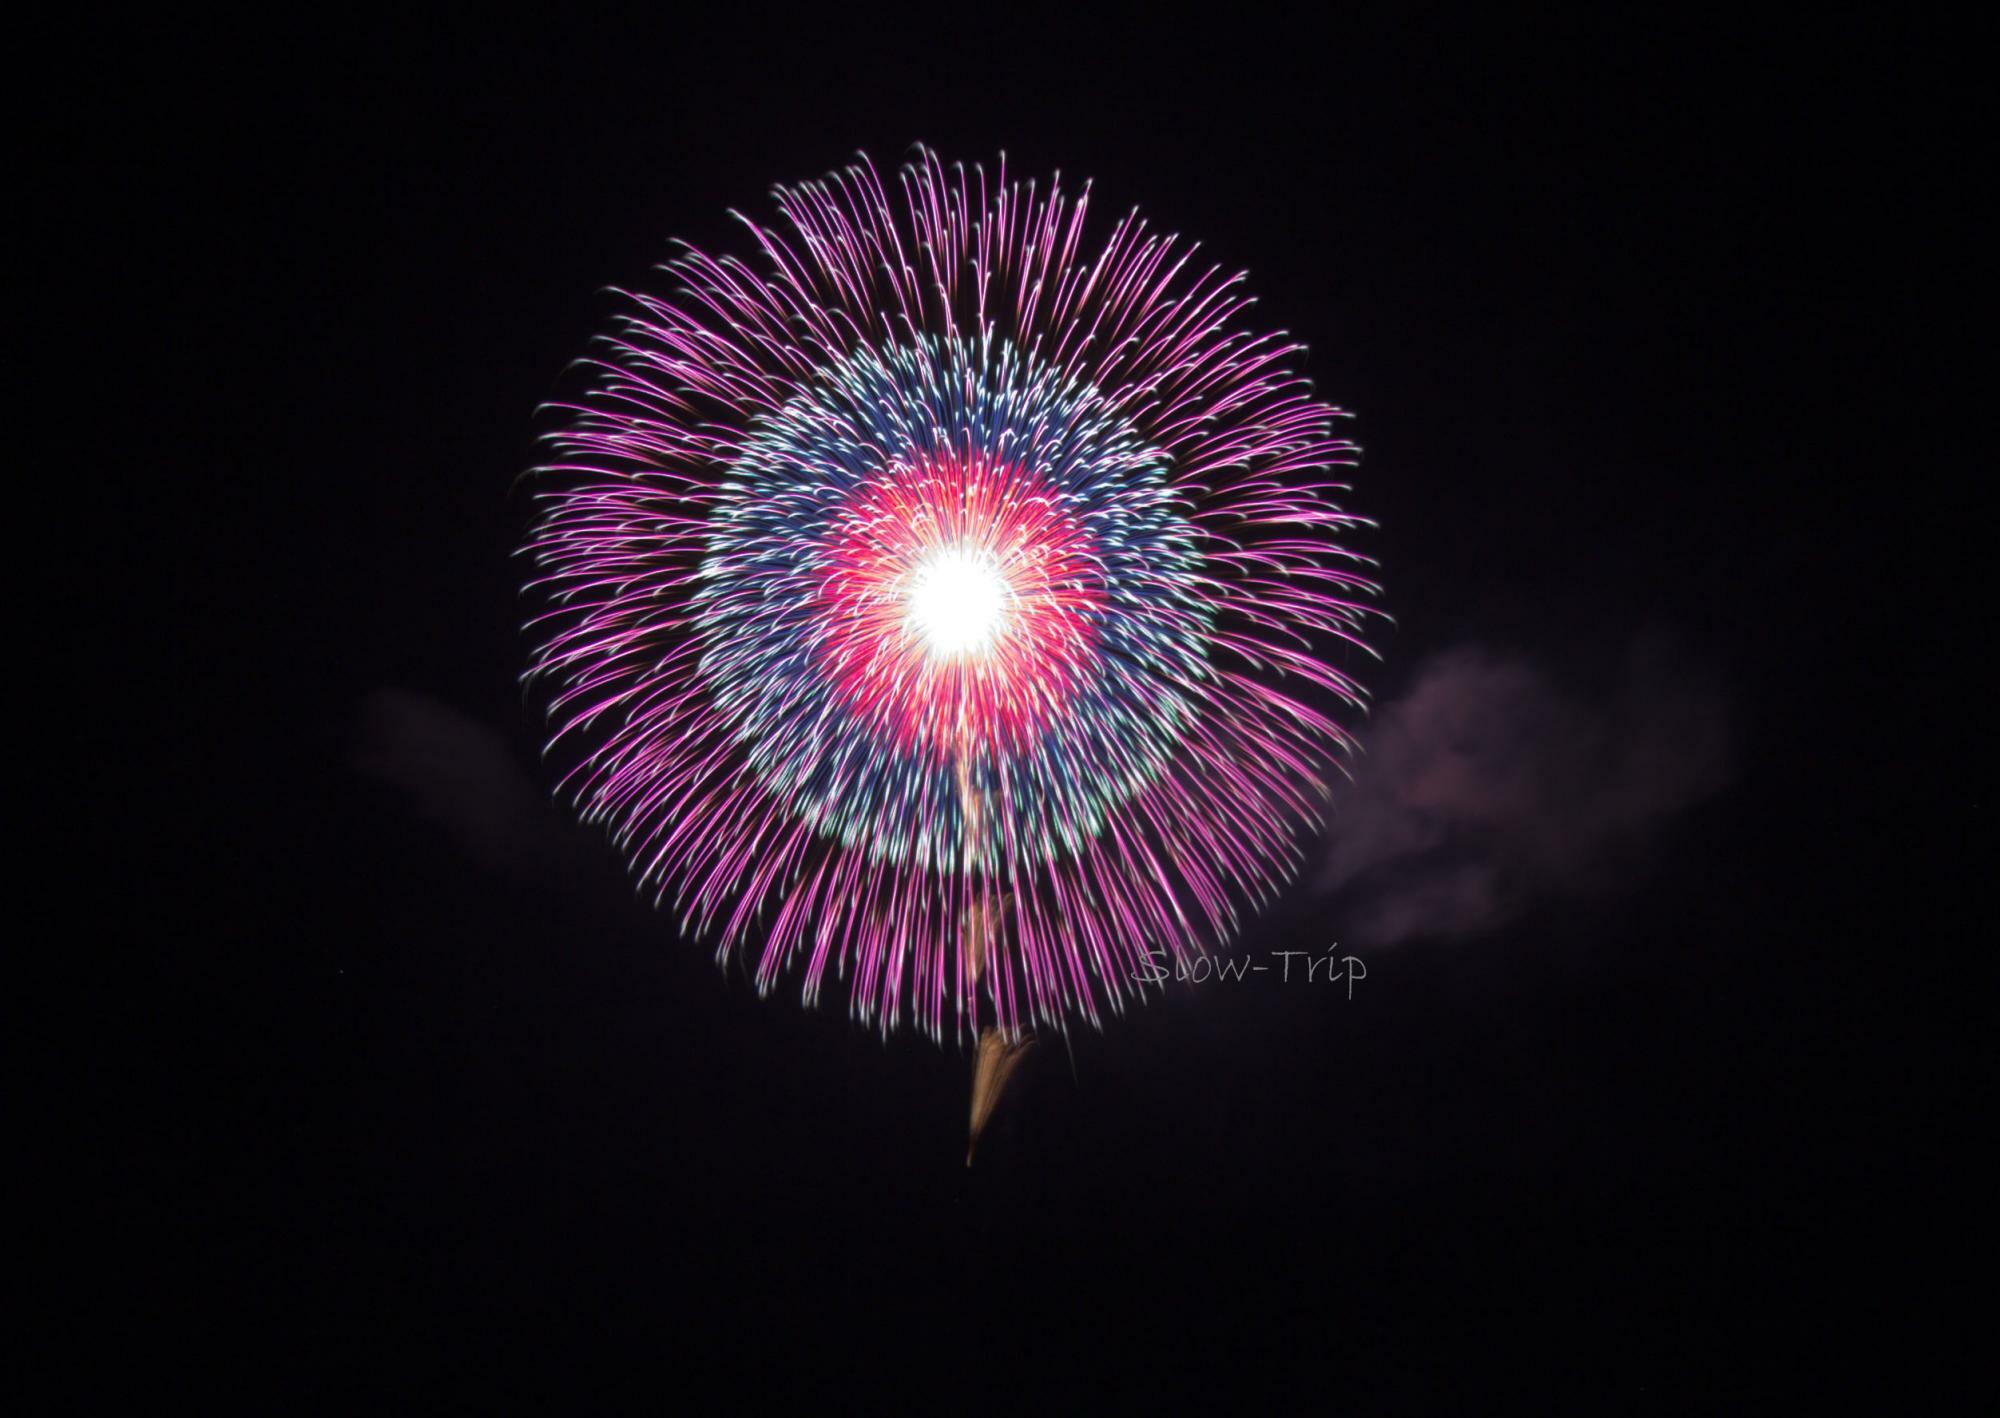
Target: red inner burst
<point x="951" y="510"/>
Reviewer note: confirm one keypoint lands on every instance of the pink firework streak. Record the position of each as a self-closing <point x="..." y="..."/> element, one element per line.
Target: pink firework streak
<point x="947" y="604"/>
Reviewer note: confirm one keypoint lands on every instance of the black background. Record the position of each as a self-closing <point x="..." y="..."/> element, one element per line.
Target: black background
<point x="1620" y="312"/>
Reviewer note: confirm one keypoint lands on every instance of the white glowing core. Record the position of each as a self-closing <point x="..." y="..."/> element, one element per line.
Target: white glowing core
<point x="958" y="600"/>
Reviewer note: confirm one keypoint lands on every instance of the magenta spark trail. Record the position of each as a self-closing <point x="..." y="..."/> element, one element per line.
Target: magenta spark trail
<point x="937" y="564"/>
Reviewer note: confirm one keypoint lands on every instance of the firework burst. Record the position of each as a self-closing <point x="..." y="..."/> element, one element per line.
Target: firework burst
<point x="944" y="605"/>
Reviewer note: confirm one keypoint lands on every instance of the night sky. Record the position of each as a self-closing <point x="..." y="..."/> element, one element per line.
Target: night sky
<point x="429" y="1108"/>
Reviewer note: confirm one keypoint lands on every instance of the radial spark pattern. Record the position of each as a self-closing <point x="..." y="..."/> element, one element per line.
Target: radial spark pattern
<point x="939" y="604"/>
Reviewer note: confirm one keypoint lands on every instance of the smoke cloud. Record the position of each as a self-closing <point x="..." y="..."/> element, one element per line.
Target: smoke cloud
<point x="465" y="776"/>
<point x="1487" y="788"/>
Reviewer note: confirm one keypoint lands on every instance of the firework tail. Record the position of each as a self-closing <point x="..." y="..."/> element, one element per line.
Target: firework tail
<point x="999" y="1053"/>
